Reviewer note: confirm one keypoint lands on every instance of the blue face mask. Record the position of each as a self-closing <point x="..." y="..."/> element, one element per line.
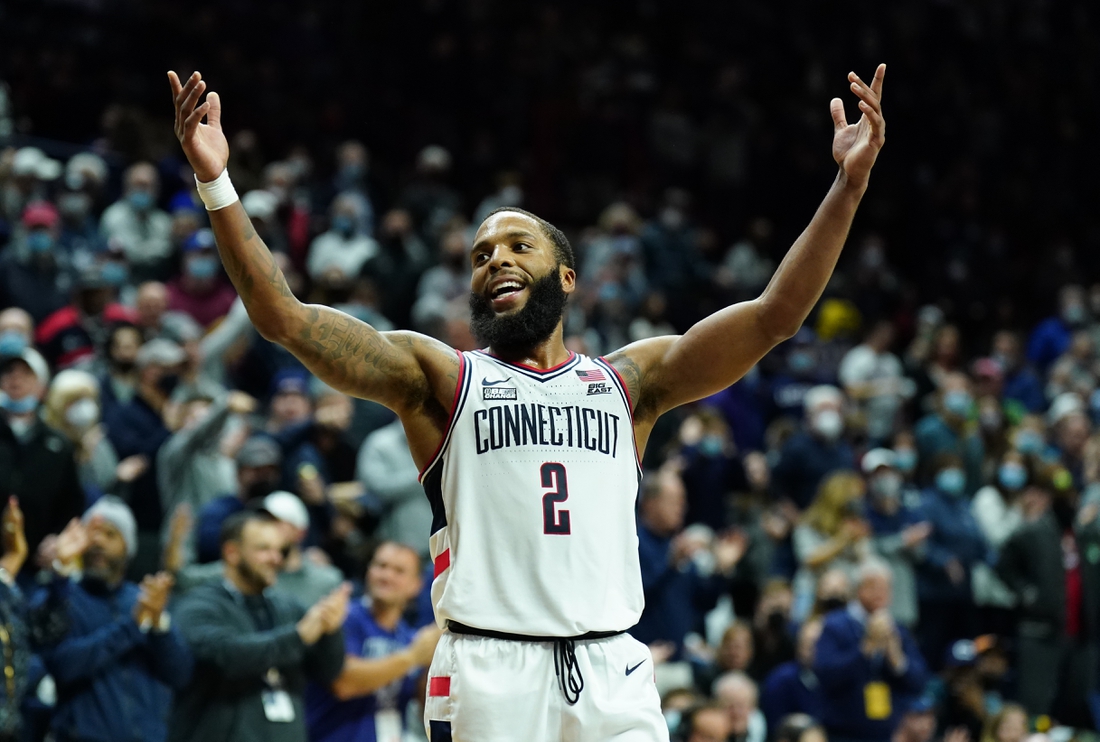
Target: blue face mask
<point x="12" y="343"/>
<point x="905" y="459"/>
<point x="140" y="200"/>
<point x="1028" y="441"/>
<point x="343" y="224"/>
<point x="19" y="406"/>
<point x="1012" y="476"/>
<point x="39" y="241"/>
<point x="951" y="481"/>
<point x="116" y="274"/>
<point x="203" y="267"/>
<point x="800" y="361"/>
<point x="711" y="446"/>
<point x="957" y="402"/>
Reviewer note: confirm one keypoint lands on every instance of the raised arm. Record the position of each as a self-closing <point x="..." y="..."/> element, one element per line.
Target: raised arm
<point x="663" y="373"/>
<point x="409" y="373"/>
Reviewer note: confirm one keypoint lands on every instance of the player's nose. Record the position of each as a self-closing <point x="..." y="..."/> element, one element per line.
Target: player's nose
<point x="500" y="258"/>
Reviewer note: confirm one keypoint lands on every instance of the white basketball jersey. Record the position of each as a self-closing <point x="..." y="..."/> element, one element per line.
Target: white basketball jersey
<point x="533" y="491"/>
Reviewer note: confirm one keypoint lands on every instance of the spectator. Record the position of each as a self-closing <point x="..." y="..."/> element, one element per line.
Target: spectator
<point x="1021" y="383"/>
<point x="118" y="384"/>
<point x="37" y="463"/>
<point x="290" y="402"/>
<point x="737" y="693"/>
<point x="303" y="576"/>
<point x="873" y="379"/>
<point x="72" y="408"/>
<point x="918" y="724"/>
<point x="259" y="463"/>
<point x="800" y="728"/>
<point x="16" y="331"/>
<point x="953" y="548"/>
<point x="793" y="687"/>
<point x="153" y="316"/>
<point x="799" y="375"/>
<point x="385" y="658"/>
<point x="1057" y="593"/>
<point x="832" y="535"/>
<point x="442" y="283"/>
<point x="337" y="256"/>
<point x="191" y="467"/>
<point x="201" y="291"/>
<point x="137" y="224"/>
<point x="677" y="593"/>
<point x="120" y="657"/>
<point x="812" y="453"/>
<point x="254" y="649"/>
<point x="386" y="470"/>
<point x="710" y="467"/>
<point x="998" y="513"/>
<point x="771" y="627"/>
<point x="947" y="431"/>
<point x="897" y="533"/>
<point x="834" y="592"/>
<point x="1052" y="337"/>
<point x="735" y="653"/>
<point x="1010" y="724"/>
<point x="31" y="272"/>
<point x="137" y="428"/>
<point x="73" y="334"/>
<point x="707" y="723"/>
<point x="869" y="666"/>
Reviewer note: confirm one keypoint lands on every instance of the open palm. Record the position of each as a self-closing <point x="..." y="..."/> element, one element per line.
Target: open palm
<point x="856" y="146"/>
<point x="204" y="144"/>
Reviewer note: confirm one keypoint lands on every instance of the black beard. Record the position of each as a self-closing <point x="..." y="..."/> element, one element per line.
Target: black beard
<point x="522" y="331"/>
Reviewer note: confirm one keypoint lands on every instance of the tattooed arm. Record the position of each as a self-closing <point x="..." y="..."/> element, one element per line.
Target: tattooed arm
<point x="409" y="373"/>
<point x="663" y="373"/>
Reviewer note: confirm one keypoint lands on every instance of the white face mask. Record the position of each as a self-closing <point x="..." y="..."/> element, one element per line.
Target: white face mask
<point x="828" y="424"/>
<point x="82" y="414"/>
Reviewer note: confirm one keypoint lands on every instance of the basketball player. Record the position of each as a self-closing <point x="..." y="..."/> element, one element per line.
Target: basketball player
<point x="529" y="452"/>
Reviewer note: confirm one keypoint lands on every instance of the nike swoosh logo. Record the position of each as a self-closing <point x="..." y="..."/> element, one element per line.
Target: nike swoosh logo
<point x="485" y="381"/>
<point x="632" y="669"/>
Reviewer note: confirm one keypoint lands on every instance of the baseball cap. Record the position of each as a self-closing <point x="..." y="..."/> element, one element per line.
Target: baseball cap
<point x="290" y="381"/>
<point x="288" y="508"/>
<point x="40" y="214"/>
<point x="964" y="652"/>
<point x="34" y="162"/>
<point x="160" y="352"/>
<point x="259" y="451"/>
<point x="877" y="457"/>
<point x="33" y="359"/>
<point x="202" y="239"/>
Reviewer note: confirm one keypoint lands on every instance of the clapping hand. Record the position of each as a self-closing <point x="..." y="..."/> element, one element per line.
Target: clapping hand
<point x="152" y="599"/>
<point x="71" y="544"/>
<point x="729" y="550"/>
<point x="856" y="146"/>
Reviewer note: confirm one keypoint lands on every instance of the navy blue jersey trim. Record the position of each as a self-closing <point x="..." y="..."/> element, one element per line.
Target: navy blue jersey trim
<point x="533" y="373"/>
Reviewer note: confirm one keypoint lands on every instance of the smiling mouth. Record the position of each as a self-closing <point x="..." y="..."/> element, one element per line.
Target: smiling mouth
<point x="505" y="289"/>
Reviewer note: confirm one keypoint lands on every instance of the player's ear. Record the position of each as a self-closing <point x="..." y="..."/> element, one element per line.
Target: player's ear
<point x="568" y="278"/>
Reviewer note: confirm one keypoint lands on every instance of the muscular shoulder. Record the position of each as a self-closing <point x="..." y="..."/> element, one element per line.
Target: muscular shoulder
<point x="639" y="364"/>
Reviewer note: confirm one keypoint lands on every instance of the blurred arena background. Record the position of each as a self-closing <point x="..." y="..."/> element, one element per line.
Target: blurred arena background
<point x="682" y="147"/>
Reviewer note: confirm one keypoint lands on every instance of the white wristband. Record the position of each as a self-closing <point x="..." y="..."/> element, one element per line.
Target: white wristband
<point x="218" y="193"/>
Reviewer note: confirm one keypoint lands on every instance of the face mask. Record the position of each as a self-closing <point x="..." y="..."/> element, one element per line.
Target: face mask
<point x="123" y="367"/>
<point x="22" y="406"/>
<point x="259" y="490"/>
<point x="114" y="273"/>
<point x="951" y="481"/>
<point x="906" y="459"/>
<point x="12" y="343"/>
<point x="828" y="424"/>
<point x="777" y="621"/>
<point x="39" y="242"/>
<point x="1028" y="441"/>
<point x="140" y="200"/>
<point x="832" y="603"/>
<point x="1012" y="476"/>
<point x="344" y="225"/>
<point x="886" y="486"/>
<point x="800" y="361"/>
<point x="74" y="207"/>
<point x="1074" y="314"/>
<point x="202" y="268"/>
<point x="82" y="414"/>
<point x="957" y="402"/>
<point x="711" y="446"/>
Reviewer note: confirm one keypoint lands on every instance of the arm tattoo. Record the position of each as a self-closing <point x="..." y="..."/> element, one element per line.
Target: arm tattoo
<point x="348" y="349"/>
<point x="633" y="377"/>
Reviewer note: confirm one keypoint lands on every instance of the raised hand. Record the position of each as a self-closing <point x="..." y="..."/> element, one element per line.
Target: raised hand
<point x="856" y="146"/>
<point x="72" y="542"/>
<point x="204" y="144"/>
<point x="14" y="538"/>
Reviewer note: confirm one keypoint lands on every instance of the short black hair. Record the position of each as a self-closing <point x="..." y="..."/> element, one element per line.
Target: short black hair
<point x="233" y="526"/>
<point x="562" y="249"/>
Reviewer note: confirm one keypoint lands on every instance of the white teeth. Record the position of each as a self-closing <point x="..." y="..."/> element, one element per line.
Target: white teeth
<point x="506" y="287"/>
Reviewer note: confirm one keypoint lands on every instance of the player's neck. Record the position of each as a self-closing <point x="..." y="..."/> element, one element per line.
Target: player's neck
<point x="549" y="353"/>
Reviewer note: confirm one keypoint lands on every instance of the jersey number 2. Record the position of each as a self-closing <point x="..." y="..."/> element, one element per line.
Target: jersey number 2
<point x="554" y="521"/>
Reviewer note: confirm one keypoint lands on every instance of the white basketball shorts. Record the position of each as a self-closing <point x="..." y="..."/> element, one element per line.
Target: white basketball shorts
<point x="499" y="690"/>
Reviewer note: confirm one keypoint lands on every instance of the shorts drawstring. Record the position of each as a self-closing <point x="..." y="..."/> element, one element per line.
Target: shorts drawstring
<point x="568" y="671"/>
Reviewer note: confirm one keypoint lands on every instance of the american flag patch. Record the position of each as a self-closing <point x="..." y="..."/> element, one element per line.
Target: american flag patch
<point x="593" y="375"/>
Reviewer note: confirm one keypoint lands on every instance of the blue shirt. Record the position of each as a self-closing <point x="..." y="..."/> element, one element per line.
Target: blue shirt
<point x="791" y="689"/>
<point x="332" y="720"/>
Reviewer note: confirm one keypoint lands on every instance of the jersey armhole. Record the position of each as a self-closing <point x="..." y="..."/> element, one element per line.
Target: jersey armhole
<point x="459" y="401"/>
<point x="617" y="380"/>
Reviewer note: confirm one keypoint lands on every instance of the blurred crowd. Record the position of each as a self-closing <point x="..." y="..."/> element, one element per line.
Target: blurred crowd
<point x="886" y="531"/>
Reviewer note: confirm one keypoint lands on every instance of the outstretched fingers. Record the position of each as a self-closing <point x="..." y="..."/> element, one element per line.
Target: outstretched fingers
<point x="195" y="119"/>
<point x="836" y="108"/>
<point x="876" y="84"/>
